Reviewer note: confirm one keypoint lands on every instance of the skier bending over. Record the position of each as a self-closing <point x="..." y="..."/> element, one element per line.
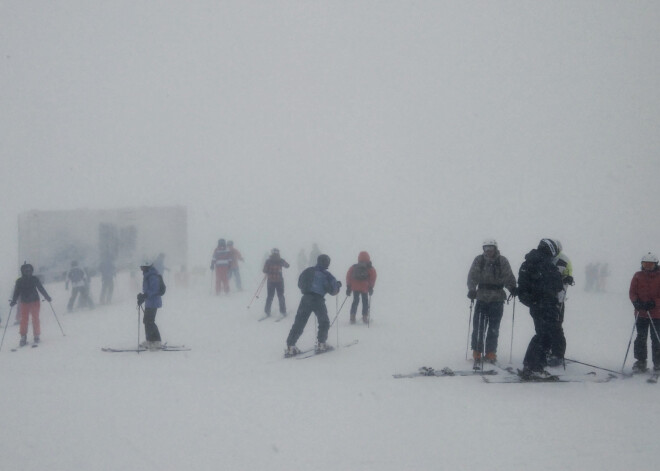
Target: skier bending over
<point x="314" y="282"/>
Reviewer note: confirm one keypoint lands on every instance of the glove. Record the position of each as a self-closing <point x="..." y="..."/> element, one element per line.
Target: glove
<point x="569" y="280"/>
<point x="371" y="291"/>
<point x="348" y="291"/>
<point x="12" y="303"/>
<point x="649" y="305"/>
<point x="140" y="298"/>
<point x="639" y="305"/>
<point x="339" y="285"/>
<point x="49" y="299"/>
<point x="513" y="291"/>
<point x="472" y="294"/>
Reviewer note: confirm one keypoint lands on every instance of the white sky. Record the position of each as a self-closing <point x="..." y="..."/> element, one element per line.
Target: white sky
<point x="411" y="129"/>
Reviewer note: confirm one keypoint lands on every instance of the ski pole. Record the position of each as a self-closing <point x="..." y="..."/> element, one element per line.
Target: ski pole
<point x="467" y="345"/>
<point x="369" y="313"/>
<point x="5" y="330"/>
<point x="654" y="330"/>
<point x="58" y="321"/>
<point x="513" y="320"/>
<point x="138" y="329"/>
<point x="256" y="294"/>
<point x="630" y="341"/>
<point x="597" y="367"/>
<point x="338" y="311"/>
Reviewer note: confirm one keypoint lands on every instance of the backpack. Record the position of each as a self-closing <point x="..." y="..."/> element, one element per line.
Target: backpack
<point x="306" y="279"/>
<point x="161" y="285"/>
<point x="361" y="271"/>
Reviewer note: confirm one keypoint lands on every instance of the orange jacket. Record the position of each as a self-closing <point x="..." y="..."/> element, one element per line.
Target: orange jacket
<point x="362" y="286"/>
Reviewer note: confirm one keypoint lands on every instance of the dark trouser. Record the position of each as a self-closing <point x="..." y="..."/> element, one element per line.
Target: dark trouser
<point x="150" y="328"/>
<point x="107" y="287"/>
<point x="558" y="342"/>
<point x="644" y="326"/>
<point x="487" y="318"/>
<point x="546" y="324"/>
<point x="356" y="300"/>
<point x="272" y="287"/>
<point x="310" y="303"/>
<point x="74" y="294"/>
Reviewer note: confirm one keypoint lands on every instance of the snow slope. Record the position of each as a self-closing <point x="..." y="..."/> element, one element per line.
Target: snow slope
<point x="234" y="403"/>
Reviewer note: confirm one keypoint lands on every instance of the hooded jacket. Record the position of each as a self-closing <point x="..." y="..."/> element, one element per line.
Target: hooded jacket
<point x="151" y="288"/>
<point x="489" y="277"/>
<point x="362" y="286"/>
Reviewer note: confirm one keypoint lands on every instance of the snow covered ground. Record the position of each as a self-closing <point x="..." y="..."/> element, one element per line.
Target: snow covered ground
<point x="233" y="402"/>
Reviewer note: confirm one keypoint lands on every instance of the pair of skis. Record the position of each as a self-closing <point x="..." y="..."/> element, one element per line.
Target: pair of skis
<point x="163" y="348"/>
<point x="311" y="352"/>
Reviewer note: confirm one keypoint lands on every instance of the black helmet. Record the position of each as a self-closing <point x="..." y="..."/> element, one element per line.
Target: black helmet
<point x="323" y="261"/>
<point x="222" y="243"/>
<point x="548" y="247"/>
<point x="27" y="269"/>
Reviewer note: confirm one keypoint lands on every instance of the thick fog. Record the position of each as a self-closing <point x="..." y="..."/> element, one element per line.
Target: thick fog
<point x="410" y="129"/>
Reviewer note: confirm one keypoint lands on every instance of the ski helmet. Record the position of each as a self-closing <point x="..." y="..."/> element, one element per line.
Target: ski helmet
<point x="275" y="251"/>
<point x="230" y="243"/>
<point x="549" y="247"/>
<point x="222" y="243"/>
<point x="27" y="269"/>
<point x="650" y="257"/>
<point x="558" y="244"/>
<point x="323" y="261"/>
<point x="488" y="242"/>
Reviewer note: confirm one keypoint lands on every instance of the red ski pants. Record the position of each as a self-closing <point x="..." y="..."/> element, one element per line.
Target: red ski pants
<point x="33" y="309"/>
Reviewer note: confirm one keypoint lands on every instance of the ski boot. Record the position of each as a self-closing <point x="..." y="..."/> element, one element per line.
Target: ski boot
<point x="154" y="346"/>
<point x="491" y="357"/>
<point x="639" y="366"/>
<point x="291" y="351"/>
<point x="555" y="361"/>
<point x="321" y="347"/>
<point x="365" y="319"/>
<point x="36" y="339"/>
<point x="476" y="356"/>
<point x="352" y="318"/>
<point x="23" y="341"/>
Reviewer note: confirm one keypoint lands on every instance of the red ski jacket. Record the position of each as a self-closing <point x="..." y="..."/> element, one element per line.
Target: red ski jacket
<point x="645" y="286"/>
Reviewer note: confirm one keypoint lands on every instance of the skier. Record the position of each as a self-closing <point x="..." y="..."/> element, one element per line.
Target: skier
<point x="489" y="274"/>
<point x="360" y="280"/>
<point x="152" y="300"/>
<point x="28" y="288"/>
<point x="233" y="267"/>
<point x="220" y="262"/>
<point x="77" y="278"/>
<point x="108" y="273"/>
<point x="273" y="270"/>
<point x="558" y="342"/>
<point x="539" y="284"/>
<point x="301" y="261"/>
<point x="314" y="283"/>
<point x="645" y="296"/>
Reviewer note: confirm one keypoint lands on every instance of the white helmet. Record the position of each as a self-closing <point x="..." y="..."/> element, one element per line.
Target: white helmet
<point x="650" y="257"/>
<point x="558" y="244"/>
<point x="492" y="242"/>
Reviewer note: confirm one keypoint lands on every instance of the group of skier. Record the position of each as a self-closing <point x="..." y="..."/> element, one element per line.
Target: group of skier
<point x="225" y="264"/>
<point x="543" y="280"/>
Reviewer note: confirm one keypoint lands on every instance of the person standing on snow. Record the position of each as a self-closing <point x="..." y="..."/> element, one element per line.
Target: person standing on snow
<point x="315" y="282"/>
<point x="539" y="285"/>
<point x="220" y="263"/>
<point x="152" y="300"/>
<point x="108" y="273"/>
<point x="273" y="270"/>
<point x="233" y="266"/>
<point x="77" y="278"/>
<point x="645" y="295"/>
<point x="360" y="280"/>
<point x="558" y="342"/>
<point x="489" y="274"/>
<point x="27" y="288"/>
